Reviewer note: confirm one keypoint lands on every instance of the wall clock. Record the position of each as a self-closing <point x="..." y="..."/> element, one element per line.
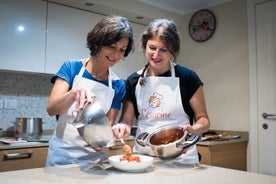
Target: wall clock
<point x="202" y="25"/>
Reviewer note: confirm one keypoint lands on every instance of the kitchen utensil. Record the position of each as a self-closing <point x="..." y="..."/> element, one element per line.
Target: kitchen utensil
<point x="122" y="141"/>
<point x="28" y="128"/>
<point x="167" y="142"/>
<point x="126" y="148"/>
<point x="145" y="162"/>
<point x="93" y="126"/>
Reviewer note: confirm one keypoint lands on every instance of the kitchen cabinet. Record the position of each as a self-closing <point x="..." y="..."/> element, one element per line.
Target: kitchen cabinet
<point x="23" y="158"/>
<point x="228" y="154"/>
<point x="53" y="33"/>
<point x="67" y="30"/>
<point x="23" y="34"/>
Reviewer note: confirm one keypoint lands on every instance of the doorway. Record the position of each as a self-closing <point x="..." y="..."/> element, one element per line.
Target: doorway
<point x="262" y="62"/>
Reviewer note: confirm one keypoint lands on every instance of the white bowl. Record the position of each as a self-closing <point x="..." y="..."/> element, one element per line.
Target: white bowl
<point x="146" y="161"/>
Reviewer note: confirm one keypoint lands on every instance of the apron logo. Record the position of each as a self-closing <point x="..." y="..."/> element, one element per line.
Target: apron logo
<point x="155" y="100"/>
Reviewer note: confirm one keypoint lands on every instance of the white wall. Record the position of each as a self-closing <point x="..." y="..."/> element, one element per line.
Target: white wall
<point x="222" y="64"/>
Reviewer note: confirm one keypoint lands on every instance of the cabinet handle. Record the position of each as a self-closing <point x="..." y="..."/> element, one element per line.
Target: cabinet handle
<point x="10" y="156"/>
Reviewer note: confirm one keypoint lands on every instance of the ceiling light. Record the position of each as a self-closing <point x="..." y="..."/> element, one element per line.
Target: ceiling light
<point x="20" y="28"/>
<point x="139" y="17"/>
<point x="89" y="4"/>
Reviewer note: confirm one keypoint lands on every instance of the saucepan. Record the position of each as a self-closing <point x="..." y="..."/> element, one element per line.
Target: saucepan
<point x="167" y="142"/>
<point x="94" y="127"/>
<point x="28" y="128"/>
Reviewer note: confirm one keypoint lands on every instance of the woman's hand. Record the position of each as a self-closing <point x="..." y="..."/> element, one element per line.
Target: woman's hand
<point x="195" y="129"/>
<point x="121" y="130"/>
<point x="191" y="129"/>
<point x="61" y="99"/>
<point x="82" y="97"/>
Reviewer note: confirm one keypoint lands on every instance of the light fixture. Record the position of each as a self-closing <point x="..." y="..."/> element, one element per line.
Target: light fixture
<point x="20" y="28"/>
<point x="140" y="17"/>
<point x="89" y="4"/>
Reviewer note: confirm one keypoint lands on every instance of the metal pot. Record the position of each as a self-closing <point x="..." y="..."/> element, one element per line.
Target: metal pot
<point x="167" y="142"/>
<point x="28" y="128"/>
<point x="94" y="127"/>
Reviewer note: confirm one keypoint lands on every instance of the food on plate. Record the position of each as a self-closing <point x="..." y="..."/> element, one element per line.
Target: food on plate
<point x="127" y="150"/>
<point x="224" y="134"/>
<point x="130" y="158"/>
<point x="132" y="166"/>
<point x="128" y="155"/>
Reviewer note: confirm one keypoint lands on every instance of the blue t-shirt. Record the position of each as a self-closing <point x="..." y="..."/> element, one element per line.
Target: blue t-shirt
<point x="71" y="68"/>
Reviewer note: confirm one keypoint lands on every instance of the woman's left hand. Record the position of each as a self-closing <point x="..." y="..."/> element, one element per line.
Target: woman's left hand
<point x="191" y="129"/>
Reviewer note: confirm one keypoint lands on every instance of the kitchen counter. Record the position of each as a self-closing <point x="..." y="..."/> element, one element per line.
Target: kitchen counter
<point x="4" y="146"/>
<point x="131" y="138"/>
<point x="7" y="143"/>
<point x="23" y="145"/>
<point x="219" y="142"/>
<point x="159" y="172"/>
<point x="230" y="154"/>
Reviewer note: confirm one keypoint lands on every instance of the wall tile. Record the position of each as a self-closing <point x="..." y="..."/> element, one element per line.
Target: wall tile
<point x="31" y="91"/>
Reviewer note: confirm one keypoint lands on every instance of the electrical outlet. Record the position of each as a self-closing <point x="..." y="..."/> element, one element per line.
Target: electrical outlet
<point x="10" y="104"/>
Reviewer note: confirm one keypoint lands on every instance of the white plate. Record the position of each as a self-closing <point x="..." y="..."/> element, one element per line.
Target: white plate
<point x="146" y="161"/>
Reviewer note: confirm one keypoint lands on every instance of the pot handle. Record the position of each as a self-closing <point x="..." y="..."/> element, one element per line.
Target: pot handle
<point x="141" y="139"/>
<point x="191" y="141"/>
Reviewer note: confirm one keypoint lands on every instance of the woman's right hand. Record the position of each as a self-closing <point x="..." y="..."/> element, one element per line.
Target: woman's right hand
<point x="82" y="97"/>
<point x="121" y="130"/>
<point x="61" y="99"/>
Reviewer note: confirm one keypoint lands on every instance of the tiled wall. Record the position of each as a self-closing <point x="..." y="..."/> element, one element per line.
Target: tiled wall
<point x="31" y="91"/>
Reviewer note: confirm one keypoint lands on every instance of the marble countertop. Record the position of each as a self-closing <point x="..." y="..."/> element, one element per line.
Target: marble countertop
<point x="160" y="172"/>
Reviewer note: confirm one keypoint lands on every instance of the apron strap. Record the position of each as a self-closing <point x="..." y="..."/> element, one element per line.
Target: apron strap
<point x="80" y="74"/>
<point x="171" y="66"/>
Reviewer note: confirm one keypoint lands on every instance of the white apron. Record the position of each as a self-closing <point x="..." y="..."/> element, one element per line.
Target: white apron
<point x="159" y="104"/>
<point x="66" y="145"/>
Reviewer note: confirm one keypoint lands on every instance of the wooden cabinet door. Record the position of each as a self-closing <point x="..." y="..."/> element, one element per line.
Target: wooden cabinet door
<point x="229" y="155"/>
<point x="27" y="158"/>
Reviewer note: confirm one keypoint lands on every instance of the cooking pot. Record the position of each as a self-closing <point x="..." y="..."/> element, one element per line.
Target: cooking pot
<point x="167" y="142"/>
<point x="28" y="128"/>
<point x="94" y="127"/>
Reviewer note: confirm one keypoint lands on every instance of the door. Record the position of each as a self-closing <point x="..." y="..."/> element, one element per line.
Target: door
<point x="266" y="86"/>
